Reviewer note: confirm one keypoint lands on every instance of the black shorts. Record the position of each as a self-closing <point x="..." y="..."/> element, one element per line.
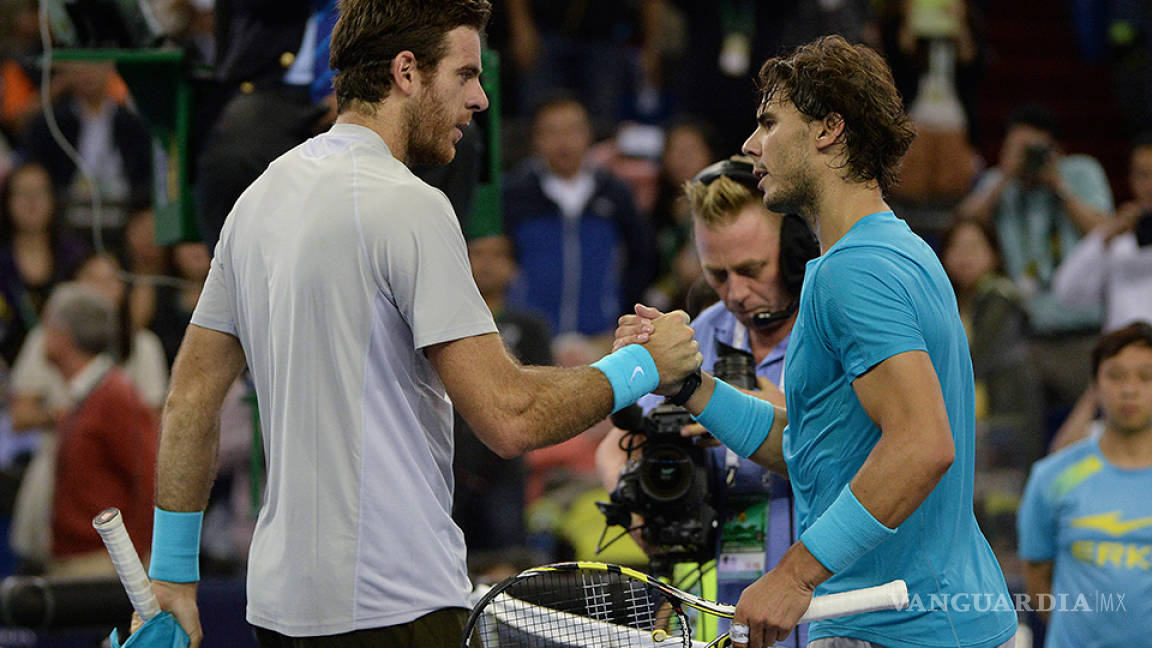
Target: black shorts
<point x="439" y="629"/>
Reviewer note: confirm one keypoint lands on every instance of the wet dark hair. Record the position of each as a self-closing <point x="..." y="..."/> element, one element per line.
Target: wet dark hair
<point x="370" y="33"/>
<point x="830" y="77"/>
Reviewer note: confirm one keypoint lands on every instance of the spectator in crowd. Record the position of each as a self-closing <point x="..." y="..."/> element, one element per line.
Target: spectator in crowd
<point x="106" y="449"/>
<point x="35" y="253"/>
<point x="175" y="303"/>
<point x="111" y="139"/>
<point x="1008" y="399"/>
<point x="1112" y="265"/>
<point x="265" y="65"/>
<point x="41" y="400"/>
<point x="1086" y="519"/>
<point x="689" y="146"/>
<point x="586" y="253"/>
<point x="40" y="394"/>
<point x="583" y="48"/>
<point x="1041" y="202"/>
<point x="19" y="73"/>
<point x="143" y="257"/>
<point x="488" y="503"/>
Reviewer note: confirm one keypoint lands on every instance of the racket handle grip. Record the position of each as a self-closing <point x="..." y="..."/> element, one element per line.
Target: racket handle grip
<point x="890" y="596"/>
<point x="110" y="525"/>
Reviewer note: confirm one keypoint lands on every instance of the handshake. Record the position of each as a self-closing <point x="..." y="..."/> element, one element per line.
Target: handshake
<point x="669" y="340"/>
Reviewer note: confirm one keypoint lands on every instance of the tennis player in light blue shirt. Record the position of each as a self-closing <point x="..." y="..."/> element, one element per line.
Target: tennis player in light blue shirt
<point x="878" y="436"/>
<point x="878" y="292"/>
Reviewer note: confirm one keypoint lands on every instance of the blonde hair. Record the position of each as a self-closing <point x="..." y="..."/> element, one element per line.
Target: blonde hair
<point x="719" y="202"/>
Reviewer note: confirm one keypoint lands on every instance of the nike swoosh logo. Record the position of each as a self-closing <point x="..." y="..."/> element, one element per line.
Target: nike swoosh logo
<point x="637" y="370"/>
<point x="1110" y="523"/>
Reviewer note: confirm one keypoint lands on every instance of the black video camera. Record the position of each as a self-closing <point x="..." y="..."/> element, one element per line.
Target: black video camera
<point x="668" y="483"/>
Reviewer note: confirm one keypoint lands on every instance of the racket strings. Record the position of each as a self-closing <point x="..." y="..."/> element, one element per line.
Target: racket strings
<point x="580" y="610"/>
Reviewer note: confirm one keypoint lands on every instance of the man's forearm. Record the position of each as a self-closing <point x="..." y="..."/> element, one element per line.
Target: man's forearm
<point x="770" y="453"/>
<point x="980" y="205"/>
<point x="186" y="461"/>
<point x="539" y="409"/>
<point x="1038" y="581"/>
<point x="1084" y="216"/>
<point x="897" y="477"/>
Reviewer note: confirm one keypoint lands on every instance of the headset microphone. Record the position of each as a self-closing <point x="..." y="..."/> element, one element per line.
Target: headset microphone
<point x="768" y="319"/>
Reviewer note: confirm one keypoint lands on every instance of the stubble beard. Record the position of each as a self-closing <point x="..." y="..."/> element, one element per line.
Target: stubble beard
<point x="429" y="122"/>
<point x="797" y="195"/>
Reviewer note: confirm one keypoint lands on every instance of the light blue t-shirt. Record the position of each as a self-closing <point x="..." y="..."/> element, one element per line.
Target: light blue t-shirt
<point x="878" y="292"/>
<point x="1093" y="520"/>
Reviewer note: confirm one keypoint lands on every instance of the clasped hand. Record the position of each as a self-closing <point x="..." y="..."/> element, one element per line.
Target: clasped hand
<point x="668" y="338"/>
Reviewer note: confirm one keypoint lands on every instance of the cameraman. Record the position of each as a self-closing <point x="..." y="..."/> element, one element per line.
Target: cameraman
<point x="1112" y="265"/>
<point x="1041" y="202"/>
<point x="754" y="259"/>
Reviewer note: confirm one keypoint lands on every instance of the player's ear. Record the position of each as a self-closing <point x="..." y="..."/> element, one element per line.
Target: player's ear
<point x="403" y="70"/>
<point x="829" y="130"/>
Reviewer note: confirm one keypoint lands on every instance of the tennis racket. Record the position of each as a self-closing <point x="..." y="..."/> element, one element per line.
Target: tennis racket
<point x="596" y="605"/>
<point x="110" y="525"/>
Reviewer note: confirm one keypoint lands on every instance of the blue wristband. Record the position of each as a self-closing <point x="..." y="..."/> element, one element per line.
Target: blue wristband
<point x="632" y="373"/>
<point x="175" y="546"/>
<point x="740" y="421"/>
<point x="844" y="532"/>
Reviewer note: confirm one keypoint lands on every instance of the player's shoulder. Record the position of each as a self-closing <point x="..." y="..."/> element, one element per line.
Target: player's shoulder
<point x="1071" y="464"/>
<point x="401" y="198"/>
<point x="1080" y="163"/>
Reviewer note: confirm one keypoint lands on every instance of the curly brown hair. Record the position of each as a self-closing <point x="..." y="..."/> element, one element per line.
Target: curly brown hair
<point x="370" y="33"/>
<point x="828" y="76"/>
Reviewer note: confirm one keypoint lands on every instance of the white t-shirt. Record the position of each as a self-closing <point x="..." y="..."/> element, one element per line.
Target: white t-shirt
<point x="335" y="269"/>
<point x="1117" y="274"/>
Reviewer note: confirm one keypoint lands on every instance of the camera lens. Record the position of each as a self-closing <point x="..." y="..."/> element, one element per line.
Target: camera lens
<point x="667" y="473"/>
<point x="737" y="369"/>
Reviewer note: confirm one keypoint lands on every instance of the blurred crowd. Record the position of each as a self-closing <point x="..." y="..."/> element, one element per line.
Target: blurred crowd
<point x="608" y="109"/>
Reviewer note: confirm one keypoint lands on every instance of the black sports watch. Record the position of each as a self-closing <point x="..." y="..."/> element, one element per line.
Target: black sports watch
<point x="691" y="383"/>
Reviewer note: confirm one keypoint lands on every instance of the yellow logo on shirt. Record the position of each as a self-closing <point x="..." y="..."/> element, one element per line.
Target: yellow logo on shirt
<point x="1116" y="554"/>
<point x="1110" y="523"/>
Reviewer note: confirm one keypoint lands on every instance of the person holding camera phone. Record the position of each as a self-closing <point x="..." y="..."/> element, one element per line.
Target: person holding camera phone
<point x="1041" y="203"/>
<point x="754" y="260"/>
<point x="1112" y="265"/>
